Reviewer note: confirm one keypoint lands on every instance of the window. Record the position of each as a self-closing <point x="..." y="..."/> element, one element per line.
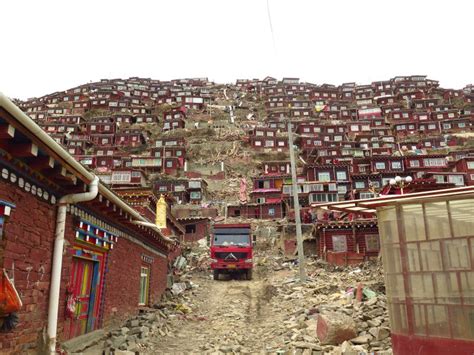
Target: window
<point x="359" y="185"/>
<point x="342" y="189"/>
<point x="396" y="165"/>
<point x="372" y="242"/>
<point x="163" y="188"/>
<point x="195" y="195"/>
<point x="136" y="174"/>
<point x="118" y="177"/>
<point x="439" y="178"/>
<point x="324" y="176"/>
<point x="190" y="229"/>
<point x="365" y="195"/>
<point x="339" y="243"/>
<point x="271" y="211"/>
<point x="414" y="163"/>
<point x="269" y="143"/>
<point x="144" y="285"/>
<point x="470" y="165"/>
<point x="281" y="143"/>
<point x="169" y="164"/>
<point x="457" y="180"/>
<point x="341" y="176"/>
<point x="194" y="184"/>
<point x="434" y="162"/>
<point x="328" y="197"/>
<point x="258" y="143"/>
<point x="380" y="165"/>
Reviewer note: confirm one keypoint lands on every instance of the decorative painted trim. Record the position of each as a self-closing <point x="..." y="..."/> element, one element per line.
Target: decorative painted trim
<point x="147" y="259"/>
<point x="12" y="177"/>
<point x="88" y="218"/>
<point x="92" y="234"/>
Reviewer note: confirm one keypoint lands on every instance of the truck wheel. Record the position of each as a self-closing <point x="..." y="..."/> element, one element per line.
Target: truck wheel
<point x="249" y="274"/>
<point x="216" y="275"/>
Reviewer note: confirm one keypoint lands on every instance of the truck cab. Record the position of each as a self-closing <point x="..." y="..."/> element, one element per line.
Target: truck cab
<point x="231" y="250"/>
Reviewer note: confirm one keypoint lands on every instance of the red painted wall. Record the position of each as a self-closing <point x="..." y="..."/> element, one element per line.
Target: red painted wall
<point x="26" y="253"/>
<point x="122" y="280"/>
<point x="202" y="229"/>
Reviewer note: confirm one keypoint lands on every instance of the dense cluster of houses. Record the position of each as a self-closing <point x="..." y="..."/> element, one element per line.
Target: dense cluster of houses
<point x="351" y="140"/>
<point x="100" y="124"/>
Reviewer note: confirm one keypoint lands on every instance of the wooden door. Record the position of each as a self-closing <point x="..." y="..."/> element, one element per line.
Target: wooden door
<point x="85" y="279"/>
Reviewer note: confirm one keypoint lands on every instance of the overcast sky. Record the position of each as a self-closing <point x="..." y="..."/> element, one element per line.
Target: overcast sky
<point x="49" y="46"/>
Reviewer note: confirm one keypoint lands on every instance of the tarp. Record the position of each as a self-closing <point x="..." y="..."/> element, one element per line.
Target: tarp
<point x="9" y="299"/>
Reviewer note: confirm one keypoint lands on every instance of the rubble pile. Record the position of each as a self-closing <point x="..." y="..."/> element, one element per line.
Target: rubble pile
<point x="334" y="311"/>
<point x="137" y="334"/>
<point x="338" y="310"/>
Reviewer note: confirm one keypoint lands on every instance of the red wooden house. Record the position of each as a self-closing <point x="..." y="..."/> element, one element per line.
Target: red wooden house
<point x="276" y="168"/>
<point x="175" y="187"/>
<point x="127" y="177"/>
<point x="271" y="195"/>
<point x="123" y="118"/>
<point x="466" y="166"/>
<point x="171" y="124"/>
<point x="175" y="113"/>
<point x="347" y="242"/>
<point x="268" y="138"/>
<point x="146" y="119"/>
<point x="129" y="138"/>
<point x="417" y="165"/>
<point x="257" y="211"/>
<point x="101" y="125"/>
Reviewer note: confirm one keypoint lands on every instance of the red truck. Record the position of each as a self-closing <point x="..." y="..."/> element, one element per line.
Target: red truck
<point x="231" y="250"/>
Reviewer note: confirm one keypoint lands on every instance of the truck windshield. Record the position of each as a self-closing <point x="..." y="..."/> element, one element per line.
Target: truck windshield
<point x="239" y="240"/>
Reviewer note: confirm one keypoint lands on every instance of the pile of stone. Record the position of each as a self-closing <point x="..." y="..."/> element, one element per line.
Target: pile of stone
<point x="151" y="323"/>
<point x="335" y="311"/>
<point x="134" y="335"/>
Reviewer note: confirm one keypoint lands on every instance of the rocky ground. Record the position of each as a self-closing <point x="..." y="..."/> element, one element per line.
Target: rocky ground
<point x="273" y="313"/>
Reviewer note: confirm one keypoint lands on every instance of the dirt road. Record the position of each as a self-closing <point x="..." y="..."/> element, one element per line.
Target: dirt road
<point x="228" y="315"/>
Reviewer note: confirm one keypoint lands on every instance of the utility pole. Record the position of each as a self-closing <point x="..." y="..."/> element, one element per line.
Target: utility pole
<point x="296" y="203"/>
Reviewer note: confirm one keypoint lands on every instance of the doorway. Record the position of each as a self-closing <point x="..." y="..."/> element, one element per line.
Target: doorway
<point x="85" y="288"/>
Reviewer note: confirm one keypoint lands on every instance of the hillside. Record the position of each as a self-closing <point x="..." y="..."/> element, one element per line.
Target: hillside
<point x="137" y="132"/>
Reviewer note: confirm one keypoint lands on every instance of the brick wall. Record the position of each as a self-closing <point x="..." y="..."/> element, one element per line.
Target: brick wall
<point x="123" y="280"/>
<point x="26" y="253"/>
<point x="202" y="230"/>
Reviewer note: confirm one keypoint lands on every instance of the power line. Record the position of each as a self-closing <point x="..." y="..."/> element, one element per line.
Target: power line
<point x="271" y="26"/>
